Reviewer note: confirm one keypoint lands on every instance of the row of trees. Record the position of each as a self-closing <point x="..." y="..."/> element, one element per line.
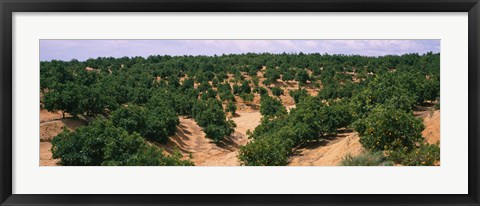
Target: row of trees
<point x="144" y="96"/>
<point x="102" y="143"/>
<point x="280" y="132"/>
<point x="379" y="106"/>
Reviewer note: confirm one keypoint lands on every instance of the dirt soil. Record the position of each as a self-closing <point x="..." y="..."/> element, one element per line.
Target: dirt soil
<point x="46" y="155"/>
<point x="328" y="152"/>
<point x="190" y="139"/>
<point x="46" y="116"/>
<point x="51" y="124"/>
<point x="432" y="127"/>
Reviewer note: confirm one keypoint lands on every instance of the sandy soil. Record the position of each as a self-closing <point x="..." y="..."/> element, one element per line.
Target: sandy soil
<point x="46" y="116"/>
<point x="431" y="120"/>
<point x="328" y="152"/>
<point x="46" y="155"/>
<point x="51" y="124"/>
<point x="50" y="129"/>
<point x="190" y="139"/>
<point x="432" y="127"/>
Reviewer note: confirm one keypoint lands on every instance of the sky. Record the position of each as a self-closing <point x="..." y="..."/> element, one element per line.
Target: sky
<point x="84" y="49"/>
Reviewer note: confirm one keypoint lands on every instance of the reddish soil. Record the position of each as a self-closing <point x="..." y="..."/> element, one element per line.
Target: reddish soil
<point x="46" y="155"/>
<point x="46" y="116"/>
<point x="328" y="152"/>
<point x="190" y="139"/>
<point x="51" y="124"/>
<point x="432" y="127"/>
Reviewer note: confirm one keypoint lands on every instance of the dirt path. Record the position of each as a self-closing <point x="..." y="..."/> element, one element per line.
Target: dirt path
<point x="432" y="127"/>
<point x="46" y="155"/>
<point x="327" y="153"/>
<point x="190" y="139"/>
<point x="51" y="124"/>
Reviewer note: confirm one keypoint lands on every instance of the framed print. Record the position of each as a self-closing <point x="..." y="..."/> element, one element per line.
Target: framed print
<point x="251" y="103"/>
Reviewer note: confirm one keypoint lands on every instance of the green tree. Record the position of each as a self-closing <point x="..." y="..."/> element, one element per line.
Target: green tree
<point x="302" y="76"/>
<point x="246" y="87"/>
<point x="270" y="107"/>
<point x="210" y="116"/>
<point x="101" y="143"/>
<point x="277" y="91"/>
<point x="389" y="129"/>
<point x="64" y="97"/>
<point x="156" y="123"/>
<point x="232" y="108"/>
<point x="247" y="98"/>
<point x="271" y="75"/>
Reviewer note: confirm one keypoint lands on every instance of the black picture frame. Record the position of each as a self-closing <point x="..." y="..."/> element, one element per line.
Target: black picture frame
<point x="7" y="7"/>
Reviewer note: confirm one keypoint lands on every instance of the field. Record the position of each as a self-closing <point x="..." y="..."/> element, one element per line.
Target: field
<point x="249" y="109"/>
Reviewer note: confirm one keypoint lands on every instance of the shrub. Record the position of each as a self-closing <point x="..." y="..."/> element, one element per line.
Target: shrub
<point x="101" y="143"/>
<point x="312" y="119"/>
<point x="237" y="89"/>
<point x="261" y="90"/>
<point x="288" y="75"/>
<point x="64" y="97"/>
<point x="423" y="155"/>
<point x="268" y="150"/>
<point x="156" y="123"/>
<point x="210" y="116"/>
<point x="271" y="75"/>
<point x="389" y="129"/>
<point x="302" y="76"/>
<point x="232" y="108"/>
<point x="277" y="91"/>
<point x="245" y="88"/>
<point x="247" y="98"/>
<point x="271" y="107"/>
<point x="298" y="94"/>
<point x="366" y="159"/>
<point x="384" y="90"/>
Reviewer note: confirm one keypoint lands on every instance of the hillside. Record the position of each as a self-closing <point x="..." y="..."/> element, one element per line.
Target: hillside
<point x="248" y="109"/>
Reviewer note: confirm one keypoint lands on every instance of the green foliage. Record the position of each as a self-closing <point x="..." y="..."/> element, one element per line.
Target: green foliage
<point x="310" y="120"/>
<point x="423" y="155"/>
<point x="225" y="92"/>
<point x="302" y="76"/>
<point x="237" y="90"/>
<point x="366" y="159"/>
<point x="101" y="143"/>
<point x="247" y="98"/>
<point x="64" y="97"/>
<point x="270" y="150"/>
<point x="298" y="94"/>
<point x="288" y="75"/>
<point x="153" y="123"/>
<point x="277" y="91"/>
<point x="255" y="80"/>
<point x="210" y="116"/>
<point x="389" y="129"/>
<point x="246" y="87"/>
<point x="164" y="87"/>
<point x="261" y="90"/>
<point x="271" y="107"/>
<point x="231" y="107"/>
<point x="271" y="75"/>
